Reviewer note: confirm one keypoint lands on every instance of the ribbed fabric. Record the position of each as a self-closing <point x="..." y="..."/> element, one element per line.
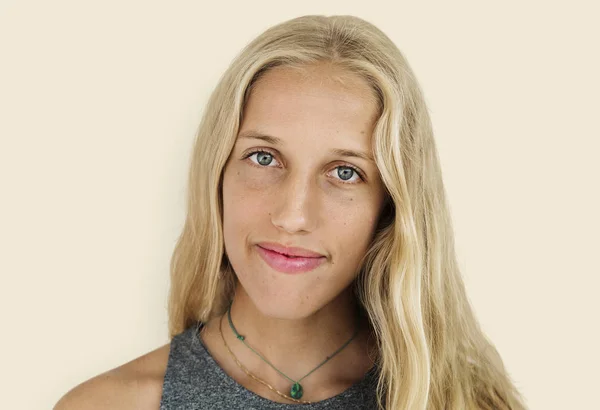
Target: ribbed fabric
<point x="194" y="381"/>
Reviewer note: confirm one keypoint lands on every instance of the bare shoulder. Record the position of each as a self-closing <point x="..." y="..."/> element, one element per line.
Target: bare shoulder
<point x="136" y="385"/>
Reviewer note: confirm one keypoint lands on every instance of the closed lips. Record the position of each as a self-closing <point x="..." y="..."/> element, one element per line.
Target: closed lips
<point x="290" y="252"/>
<point x="288" y="255"/>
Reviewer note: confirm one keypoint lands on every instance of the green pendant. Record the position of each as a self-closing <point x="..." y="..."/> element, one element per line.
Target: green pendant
<point x="296" y="391"/>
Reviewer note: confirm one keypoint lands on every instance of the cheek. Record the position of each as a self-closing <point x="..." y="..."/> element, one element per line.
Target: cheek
<point x="244" y="204"/>
<point x="244" y="195"/>
<point x="352" y="230"/>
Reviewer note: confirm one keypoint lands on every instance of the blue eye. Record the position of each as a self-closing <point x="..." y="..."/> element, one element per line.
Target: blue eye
<point x="261" y="156"/>
<point x="345" y="172"/>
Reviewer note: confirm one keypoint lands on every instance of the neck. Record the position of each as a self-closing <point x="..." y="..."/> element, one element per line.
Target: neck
<point x="297" y="346"/>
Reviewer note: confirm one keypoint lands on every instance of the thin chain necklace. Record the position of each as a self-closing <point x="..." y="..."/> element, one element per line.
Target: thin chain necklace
<point x="241" y="366"/>
<point x="296" y="391"/>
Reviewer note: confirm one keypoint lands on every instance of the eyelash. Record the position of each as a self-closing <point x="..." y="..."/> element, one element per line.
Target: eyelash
<point x="360" y="175"/>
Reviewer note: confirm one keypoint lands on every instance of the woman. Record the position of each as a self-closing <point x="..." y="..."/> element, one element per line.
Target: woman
<point x="316" y="266"/>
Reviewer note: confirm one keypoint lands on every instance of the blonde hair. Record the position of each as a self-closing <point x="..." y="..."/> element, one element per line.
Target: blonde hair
<point x="432" y="353"/>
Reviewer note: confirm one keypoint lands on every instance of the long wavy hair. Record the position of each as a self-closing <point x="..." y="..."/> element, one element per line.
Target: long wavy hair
<point x="432" y="353"/>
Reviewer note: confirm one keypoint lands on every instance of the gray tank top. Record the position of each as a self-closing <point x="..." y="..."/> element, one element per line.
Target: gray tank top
<point x="194" y="380"/>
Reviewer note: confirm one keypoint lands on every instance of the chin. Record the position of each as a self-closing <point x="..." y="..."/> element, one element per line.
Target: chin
<point x="282" y="306"/>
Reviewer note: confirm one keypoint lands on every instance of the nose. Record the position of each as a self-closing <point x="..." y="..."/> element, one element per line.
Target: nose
<point x="295" y="205"/>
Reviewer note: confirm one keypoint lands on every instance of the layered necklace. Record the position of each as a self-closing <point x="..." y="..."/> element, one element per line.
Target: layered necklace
<point x="296" y="389"/>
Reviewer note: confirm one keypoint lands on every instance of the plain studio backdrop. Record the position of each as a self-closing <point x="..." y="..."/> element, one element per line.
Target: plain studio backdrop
<point x="99" y="103"/>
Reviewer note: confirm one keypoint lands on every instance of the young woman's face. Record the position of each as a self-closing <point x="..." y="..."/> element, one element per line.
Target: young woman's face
<point x="298" y="189"/>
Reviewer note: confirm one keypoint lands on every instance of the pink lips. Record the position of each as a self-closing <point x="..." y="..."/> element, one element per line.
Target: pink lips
<point x="286" y="264"/>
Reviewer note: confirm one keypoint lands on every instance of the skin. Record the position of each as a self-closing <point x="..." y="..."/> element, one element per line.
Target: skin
<point x="304" y="197"/>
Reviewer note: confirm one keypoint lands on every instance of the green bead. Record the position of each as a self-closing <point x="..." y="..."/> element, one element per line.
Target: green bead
<point x="296" y="391"/>
<point x="241" y="337"/>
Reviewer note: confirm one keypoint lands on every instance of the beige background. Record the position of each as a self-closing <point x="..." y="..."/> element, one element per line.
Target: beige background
<point x="99" y="102"/>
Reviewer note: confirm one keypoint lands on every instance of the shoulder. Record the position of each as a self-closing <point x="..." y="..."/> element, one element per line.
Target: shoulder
<point x="133" y="385"/>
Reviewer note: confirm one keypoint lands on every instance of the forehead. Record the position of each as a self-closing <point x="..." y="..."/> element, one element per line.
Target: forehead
<point x="316" y="104"/>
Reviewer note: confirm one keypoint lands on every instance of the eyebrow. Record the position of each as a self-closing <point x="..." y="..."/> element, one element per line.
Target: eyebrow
<point x="278" y="141"/>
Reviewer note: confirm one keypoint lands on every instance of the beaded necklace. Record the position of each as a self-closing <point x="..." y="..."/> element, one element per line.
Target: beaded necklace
<point x="296" y="390"/>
